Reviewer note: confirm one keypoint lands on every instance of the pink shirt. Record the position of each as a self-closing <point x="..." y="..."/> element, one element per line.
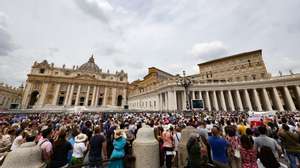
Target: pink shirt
<point x="46" y="148"/>
<point x="168" y="139"/>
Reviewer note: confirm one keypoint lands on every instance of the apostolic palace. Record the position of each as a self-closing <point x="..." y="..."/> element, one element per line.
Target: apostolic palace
<point x="238" y="82"/>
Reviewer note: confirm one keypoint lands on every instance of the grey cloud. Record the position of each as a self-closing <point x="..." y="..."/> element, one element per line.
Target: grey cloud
<point x="209" y="50"/>
<point x="95" y="8"/>
<point x="128" y="64"/>
<point x="6" y="44"/>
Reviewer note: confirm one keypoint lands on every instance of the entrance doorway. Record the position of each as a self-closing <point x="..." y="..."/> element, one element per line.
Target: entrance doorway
<point x="33" y="99"/>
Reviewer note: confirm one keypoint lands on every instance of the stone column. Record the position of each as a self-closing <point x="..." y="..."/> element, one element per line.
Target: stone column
<point x="175" y="100"/>
<point x="248" y="101"/>
<point x="146" y="149"/>
<point x="215" y="101"/>
<point x="67" y="95"/>
<point x="54" y="101"/>
<point x="105" y="96"/>
<point x="124" y="100"/>
<point x="43" y="95"/>
<point x="158" y="103"/>
<point x="182" y="151"/>
<point x="239" y="100"/>
<point x="298" y="93"/>
<point x="200" y="95"/>
<point x="26" y="95"/>
<point x="77" y="95"/>
<point x="223" y="104"/>
<point x="71" y="95"/>
<point x="97" y="96"/>
<point x="277" y="102"/>
<point x="257" y="101"/>
<point x="94" y="96"/>
<point x="289" y="99"/>
<point x="207" y="101"/>
<point x="266" y="99"/>
<point x="193" y="95"/>
<point x="114" y="96"/>
<point x="184" y="101"/>
<point x="230" y="101"/>
<point x="86" y="100"/>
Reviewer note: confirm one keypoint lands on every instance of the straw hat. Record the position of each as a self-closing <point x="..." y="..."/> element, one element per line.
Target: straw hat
<point x="80" y="138"/>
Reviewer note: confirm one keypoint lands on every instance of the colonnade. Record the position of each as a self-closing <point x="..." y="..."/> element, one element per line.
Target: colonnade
<point x="279" y="98"/>
<point x="257" y="99"/>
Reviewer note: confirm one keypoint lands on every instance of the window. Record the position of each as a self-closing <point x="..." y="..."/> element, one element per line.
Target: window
<point x="249" y="63"/>
<point x="253" y="76"/>
<point x="56" y="73"/>
<point x="42" y="71"/>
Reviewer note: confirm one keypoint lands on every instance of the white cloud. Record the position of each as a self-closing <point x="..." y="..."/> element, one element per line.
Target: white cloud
<point x="208" y="50"/>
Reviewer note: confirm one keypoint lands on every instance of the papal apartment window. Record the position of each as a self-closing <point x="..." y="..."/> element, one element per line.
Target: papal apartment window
<point x="42" y="71"/>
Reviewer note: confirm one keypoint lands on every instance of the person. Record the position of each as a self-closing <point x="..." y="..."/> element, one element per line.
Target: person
<point x="264" y="140"/>
<point x="202" y="130"/>
<point x="267" y="158"/>
<point x="219" y="147"/>
<point x="97" y="145"/>
<point x="72" y="134"/>
<point x="61" y="147"/>
<point x="18" y="140"/>
<point x="234" y="152"/>
<point x="45" y="144"/>
<point x="248" y="152"/>
<point x="168" y="146"/>
<point x="291" y="144"/>
<point x="118" y="152"/>
<point x="80" y="149"/>
<point x="177" y="138"/>
<point x="193" y="149"/>
<point x="27" y="155"/>
<point x="242" y="128"/>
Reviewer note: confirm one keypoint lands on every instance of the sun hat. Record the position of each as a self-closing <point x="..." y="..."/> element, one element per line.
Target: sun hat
<point x="80" y="138"/>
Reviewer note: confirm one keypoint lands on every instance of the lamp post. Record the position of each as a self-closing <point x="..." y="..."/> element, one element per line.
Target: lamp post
<point x="185" y="82"/>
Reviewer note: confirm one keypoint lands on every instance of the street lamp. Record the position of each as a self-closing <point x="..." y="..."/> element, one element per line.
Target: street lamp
<point x="186" y="82"/>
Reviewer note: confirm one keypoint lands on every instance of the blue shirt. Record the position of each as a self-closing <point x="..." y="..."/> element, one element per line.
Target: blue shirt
<point x="219" y="148"/>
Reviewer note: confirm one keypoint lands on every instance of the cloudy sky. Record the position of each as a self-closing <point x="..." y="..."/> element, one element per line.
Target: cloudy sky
<point x="173" y="35"/>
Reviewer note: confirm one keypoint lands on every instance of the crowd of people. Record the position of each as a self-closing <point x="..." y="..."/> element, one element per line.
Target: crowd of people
<point x="221" y="139"/>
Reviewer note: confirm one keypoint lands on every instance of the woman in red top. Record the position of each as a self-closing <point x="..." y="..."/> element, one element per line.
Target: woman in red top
<point x="248" y="153"/>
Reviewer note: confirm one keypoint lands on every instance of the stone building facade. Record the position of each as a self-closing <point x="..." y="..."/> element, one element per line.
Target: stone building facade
<point x="87" y="85"/>
<point x="10" y="97"/>
<point x="240" y="67"/>
<point x="226" y="91"/>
